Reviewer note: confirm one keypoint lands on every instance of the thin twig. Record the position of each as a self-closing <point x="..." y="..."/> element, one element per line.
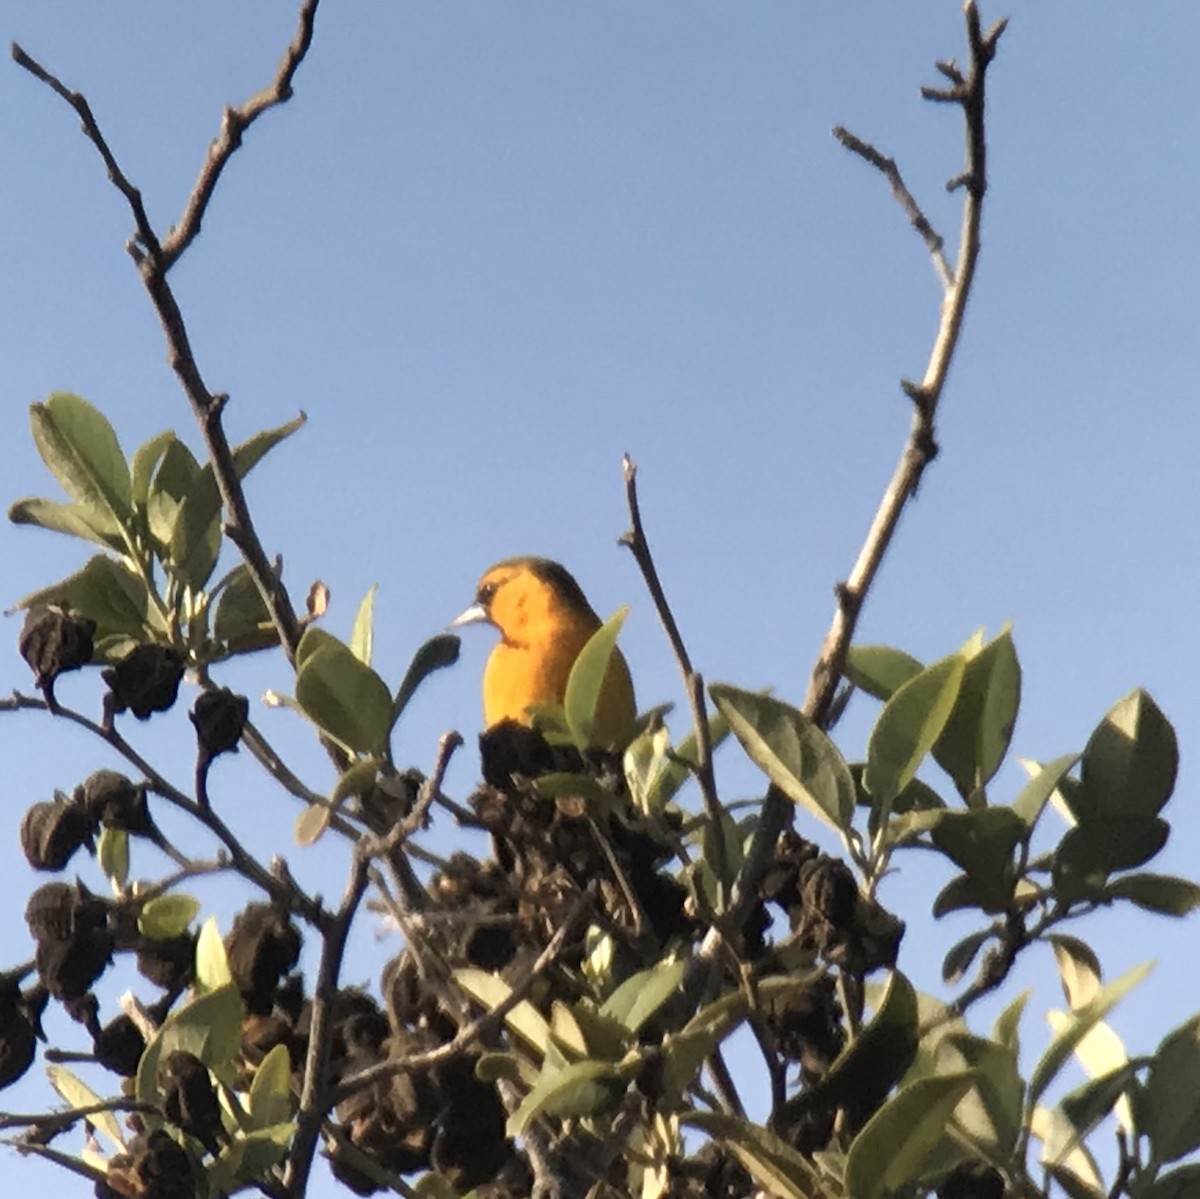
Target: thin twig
<point x="920" y="222"/>
<point x="635" y="541"/>
<point x="234" y="124"/>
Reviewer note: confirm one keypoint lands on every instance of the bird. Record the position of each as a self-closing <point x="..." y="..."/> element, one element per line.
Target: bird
<point x="544" y="621"/>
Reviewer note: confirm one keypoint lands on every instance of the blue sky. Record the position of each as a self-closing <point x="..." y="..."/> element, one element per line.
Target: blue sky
<point x="490" y="247"/>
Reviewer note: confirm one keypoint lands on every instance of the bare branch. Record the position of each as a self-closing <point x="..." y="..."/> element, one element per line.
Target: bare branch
<point x="234" y="124"/>
<point x="889" y="169"/>
<point x="918" y="452"/>
<point x="635" y="541"/>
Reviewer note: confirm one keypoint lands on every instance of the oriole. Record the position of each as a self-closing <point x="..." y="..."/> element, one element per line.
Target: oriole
<point x="544" y="621"/>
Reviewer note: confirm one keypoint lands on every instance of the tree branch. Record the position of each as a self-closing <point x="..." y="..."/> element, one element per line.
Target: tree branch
<point x="154" y="260"/>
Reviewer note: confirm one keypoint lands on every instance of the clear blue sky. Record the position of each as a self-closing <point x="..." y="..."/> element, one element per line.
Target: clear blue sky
<point x="489" y="247"/>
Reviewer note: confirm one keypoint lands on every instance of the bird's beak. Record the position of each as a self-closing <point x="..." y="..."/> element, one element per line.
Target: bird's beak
<point x="473" y="615"/>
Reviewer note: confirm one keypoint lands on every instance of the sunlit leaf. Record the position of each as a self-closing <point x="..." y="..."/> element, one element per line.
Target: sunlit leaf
<point x="167" y="915"/>
<point x="587" y="678"/>
<point x="362" y="635"/>
<point x="880" y="670"/>
<point x="909" y="725"/>
<point x="792" y="751"/>
<point x="893" y="1145"/>
<point x="81" y="449"/>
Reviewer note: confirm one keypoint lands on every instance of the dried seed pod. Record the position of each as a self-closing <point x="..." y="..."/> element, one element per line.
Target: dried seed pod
<point x="119" y="1046"/>
<point x="262" y="946"/>
<point x="156" y="1166"/>
<point x="167" y="962"/>
<point x="144" y="681"/>
<point x="53" y="830"/>
<point x="54" y="641"/>
<point x="111" y="799"/>
<point x="189" y="1099"/>
<point x="20" y="1026"/>
<point x="74" y="941"/>
<point x="219" y="717"/>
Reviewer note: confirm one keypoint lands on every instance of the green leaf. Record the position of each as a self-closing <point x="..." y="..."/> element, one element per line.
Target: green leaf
<point x="112" y="854"/>
<point x="174" y="478"/>
<point x="961" y="892"/>
<point x="107" y="592"/>
<point x="894" y="1143"/>
<point x="437" y="653"/>
<point x="722" y="847"/>
<point x="242" y="621"/>
<point x="981" y="842"/>
<point x="1162" y="893"/>
<point x="75" y="1093"/>
<point x="490" y="990"/>
<point x="72" y="519"/>
<point x="1006" y="1030"/>
<point x="251" y="452"/>
<point x="362" y="635"/>
<point x="212" y="963"/>
<point x="210" y="1026"/>
<point x="1170" y="1111"/>
<point x="778" y="1169"/>
<point x="880" y="670"/>
<point x="341" y="695"/>
<point x="587" y="678"/>
<point x="145" y="459"/>
<point x="990" y="1114"/>
<point x="792" y="751"/>
<point x="959" y="956"/>
<point x="1085" y="1019"/>
<point x="79" y="446"/>
<point x="574" y="1091"/>
<point x="1089" y="852"/>
<point x="167" y="915"/>
<point x="195" y="543"/>
<point x="870" y="1065"/>
<point x="1044" y="782"/>
<point x="1078" y="968"/>
<point x="1067" y="1162"/>
<point x="249" y="1157"/>
<point x="642" y="994"/>
<point x="976" y="737"/>
<point x="1130" y="762"/>
<point x="909" y="725"/>
<point x="271" y="1089"/>
<point x="1091" y="1102"/>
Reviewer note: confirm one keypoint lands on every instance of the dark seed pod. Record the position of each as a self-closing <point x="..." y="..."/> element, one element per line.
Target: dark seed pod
<point x="167" y="962"/>
<point x="189" y="1099"/>
<point x="262" y="946"/>
<point x="144" y="681"/>
<point x="74" y="941"/>
<point x="52" y="831"/>
<point x="156" y="1166"/>
<point x="20" y="1025"/>
<point x="119" y="1046"/>
<point x="219" y="717"/>
<point x="54" y="641"/>
<point x="113" y="800"/>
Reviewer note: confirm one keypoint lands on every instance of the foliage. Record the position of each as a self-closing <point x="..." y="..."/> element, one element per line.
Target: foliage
<point x="557" y="1017"/>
